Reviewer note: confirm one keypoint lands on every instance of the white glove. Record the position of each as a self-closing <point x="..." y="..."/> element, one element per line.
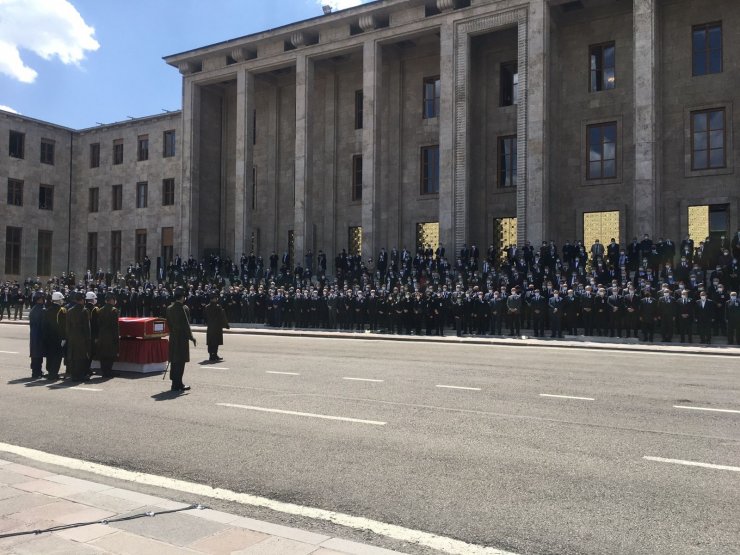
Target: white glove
<point x="64" y="342"/>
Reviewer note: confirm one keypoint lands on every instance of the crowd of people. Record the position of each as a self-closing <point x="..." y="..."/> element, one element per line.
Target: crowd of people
<point x="646" y="289"/>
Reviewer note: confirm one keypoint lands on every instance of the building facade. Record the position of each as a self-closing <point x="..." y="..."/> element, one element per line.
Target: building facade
<point x="402" y="123"/>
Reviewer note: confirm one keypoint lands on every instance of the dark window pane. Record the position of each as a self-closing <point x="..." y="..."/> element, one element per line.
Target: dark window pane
<point x="610" y="151"/>
<point x="717" y="158"/>
<point x="700" y="122"/>
<point x="610" y="79"/>
<point x="700" y="64"/>
<point x="594" y="170"/>
<point x="717" y="120"/>
<point x="715" y="37"/>
<point x="610" y="168"/>
<point x="610" y="133"/>
<point x="699" y="40"/>
<point x="700" y="159"/>
<point x="609" y="56"/>
<point x="700" y="141"/>
<point x="717" y="139"/>
<point x="594" y="136"/>
<point x="594" y="153"/>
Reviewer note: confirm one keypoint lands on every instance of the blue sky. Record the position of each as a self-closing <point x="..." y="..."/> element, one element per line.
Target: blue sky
<point x="78" y="85"/>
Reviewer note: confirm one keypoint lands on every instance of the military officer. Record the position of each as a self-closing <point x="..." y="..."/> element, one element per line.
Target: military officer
<point x="216" y="322"/>
<point x="78" y="337"/>
<point x="107" y="342"/>
<point x="36" y="321"/>
<point x="178" y="320"/>
<point x="54" y="334"/>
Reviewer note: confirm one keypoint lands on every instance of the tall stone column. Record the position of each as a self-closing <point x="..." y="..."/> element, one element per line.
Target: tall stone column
<point x="188" y="195"/>
<point x="244" y="162"/>
<point x="303" y="152"/>
<point x="531" y="116"/>
<point x="449" y="236"/>
<point x="646" y="188"/>
<point x="372" y="78"/>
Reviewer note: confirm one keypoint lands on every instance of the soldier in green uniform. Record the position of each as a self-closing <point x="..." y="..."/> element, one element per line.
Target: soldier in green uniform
<point x="178" y="320"/>
<point x="108" y="335"/>
<point x="79" y="339"/>
<point x="216" y="322"/>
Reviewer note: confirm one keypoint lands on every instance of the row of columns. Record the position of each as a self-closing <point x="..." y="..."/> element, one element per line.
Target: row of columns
<point x="533" y="23"/>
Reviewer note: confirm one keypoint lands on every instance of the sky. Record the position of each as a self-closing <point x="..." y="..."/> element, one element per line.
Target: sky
<point x="79" y="63"/>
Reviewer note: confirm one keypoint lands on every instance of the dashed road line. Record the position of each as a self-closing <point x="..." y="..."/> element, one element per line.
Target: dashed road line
<point x="694" y="463"/>
<point x="308" y="414"/>
<point x="458" y="387"/>
<point x="9" y="352"/>
<point x="706" y="409"/>
<point x="363" y="380"/>
<point x="283" y="373"/>
<point x="567" y="397"/>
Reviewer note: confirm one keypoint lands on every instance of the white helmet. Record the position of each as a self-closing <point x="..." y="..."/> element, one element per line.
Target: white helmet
<point x="90" y="296"/>
<point x="57" y="297"/>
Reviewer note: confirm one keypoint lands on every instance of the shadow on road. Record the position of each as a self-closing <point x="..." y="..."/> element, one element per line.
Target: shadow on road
<point x="168" y="395"/>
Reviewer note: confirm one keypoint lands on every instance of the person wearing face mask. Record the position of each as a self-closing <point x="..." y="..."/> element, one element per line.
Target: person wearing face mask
<point x="685" y="316"/>
<point x="704" y="311"/>
<point x="600" y="312"/>
<point x="720" y="298"/>
<point x="631" y="308"/>
<point x="647" y="316"/>
<point x="667" y="314"/>
<point x="732" y="313"/>
<point x="555" y="306"/>
<point x="537" y="308"/>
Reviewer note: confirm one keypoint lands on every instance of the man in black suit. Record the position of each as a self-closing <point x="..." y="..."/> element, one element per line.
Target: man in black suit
<point x="666" y="313"/>
<point x="685" y="316"/>
<point x="514" y="310"/>
<point x="555" y="306"/>
<point x="538" y="307"/>
<point x="732" y="313"/>
<point x="704" y="311"/>
<point x="647" y="316"/>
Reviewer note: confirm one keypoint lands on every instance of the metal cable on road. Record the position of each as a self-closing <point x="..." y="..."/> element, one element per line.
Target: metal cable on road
<point x="104" y="521"/>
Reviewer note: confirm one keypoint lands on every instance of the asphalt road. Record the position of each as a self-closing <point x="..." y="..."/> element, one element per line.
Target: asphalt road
<point x="504" y="463"/>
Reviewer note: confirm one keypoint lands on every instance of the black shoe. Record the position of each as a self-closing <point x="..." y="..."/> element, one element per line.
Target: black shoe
<point x="184" y="388"/>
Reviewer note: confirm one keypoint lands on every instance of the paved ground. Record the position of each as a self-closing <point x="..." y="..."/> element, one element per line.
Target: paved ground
<point x="528" y="449"/>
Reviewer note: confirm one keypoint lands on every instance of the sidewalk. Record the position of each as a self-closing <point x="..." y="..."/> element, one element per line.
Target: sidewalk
<point x="32" y="499"/>
<point x="569" y="341"/>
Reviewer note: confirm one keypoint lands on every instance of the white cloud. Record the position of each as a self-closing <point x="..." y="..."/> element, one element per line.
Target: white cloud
<point x="8" y="109"/>
<point x="339" y="4"/>
<point x="49" y="28"/>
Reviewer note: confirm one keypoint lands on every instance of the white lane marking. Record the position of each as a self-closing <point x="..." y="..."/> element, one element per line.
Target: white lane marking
<point x="8" y="352"/>
<point x="459" y="387"/>
<point x="74" y="388"/>
<point x="694" y="463"/>
<point x="706" y="408"/>
<point x="363" y="380"/>
<point x="309" y="414"/>
<point x="418" y="537"/>
<point x="283" y="373"/>
<point x="567" y="397"/>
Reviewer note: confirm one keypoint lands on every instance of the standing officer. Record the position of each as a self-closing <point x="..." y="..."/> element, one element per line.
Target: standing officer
<point x="216" y="321"/>
<point x="36" y="320"/>
<point x="107" y="342"/>
<point x="178" y="320"/>
<point x="54" y="334"/>
<point x="91" y="302"/>
<point x="79" y="340"/>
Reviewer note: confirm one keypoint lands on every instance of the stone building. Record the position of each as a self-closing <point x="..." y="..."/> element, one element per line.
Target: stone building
<point x="407" y="122"/>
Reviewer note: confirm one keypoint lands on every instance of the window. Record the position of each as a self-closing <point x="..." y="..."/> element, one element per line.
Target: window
<point x="427" y="236"/>
<point x="507" y="161"/>
<point x="46" y="197"/>
<point x="602" y="151"/>
<point x="357" y="177"/>
<point x="47" y="154"/>
<point x="140" y="245"/>
<point x="92" y="251"/>
<point x="708" y="139"/>
<point x="509" y="84"/>
<point x="117" y="200"/>
<point x="602" y="67"/>
<point x="43" y="255"/>
<point x="432" y="93"/>
<point x="142" y="194"/>
<point x="354" y="240"/>
<point x="359" y="99"/>
<point x="17" y="144"/>
<point x="115" y="251"/>
<point x="142" y="148"/>
<point x="13" y="236"/>
<point x="169" y="144"/>
<point x="15" y="192"/>
<point x="95" y="155"/>
<point x="706" y="46"/>
<point x="118" y="152"/>
<point x="167" y="245"/>
<point x="429" y="169"/>
<point x="602" y="226"/>
<point x="93" y="199"/>
<point x="168" y="192"/>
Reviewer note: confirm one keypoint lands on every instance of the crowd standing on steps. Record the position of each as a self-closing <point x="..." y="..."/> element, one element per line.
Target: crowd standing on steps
<point x="649" y="290"/>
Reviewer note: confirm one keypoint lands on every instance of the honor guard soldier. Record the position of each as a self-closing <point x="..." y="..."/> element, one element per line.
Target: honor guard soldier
<point x="178" y="320"/>
<point x="216" y="322"/>
<point x="36" y="321"/>
<point x="107" y="342"/>
<point x="79" y="340"/>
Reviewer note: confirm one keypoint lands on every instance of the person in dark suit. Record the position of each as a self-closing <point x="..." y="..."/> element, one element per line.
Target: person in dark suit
<point x="555" y="306"/>
<point x="685" y="316"/>
<point x="178" y="321"/>
<point x="732" y="313"/>
<point x="514" y="310"/>
<point x="79" y="338"/>
<point x="704" y="311"/>
<point x="216" y="322"/>
<point x="107" y="342"/>
<point x="571" y="310"/>
<point x="538" y="307"/>
<point x="667" y="314"/>
<point x="647" y="316"/>
<point x="36" y="321"/>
